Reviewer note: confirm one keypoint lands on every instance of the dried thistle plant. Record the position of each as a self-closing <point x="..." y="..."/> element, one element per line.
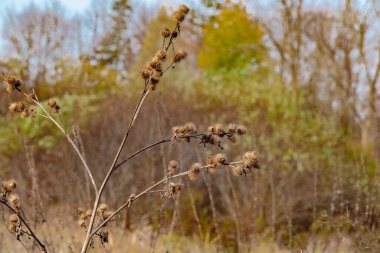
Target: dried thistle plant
<point x="17" y="222"/>
<point x="95" y="219"/>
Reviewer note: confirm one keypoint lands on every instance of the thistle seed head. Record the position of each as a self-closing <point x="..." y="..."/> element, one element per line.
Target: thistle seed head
<point x="220" y="159"/>
<point x="195" y="169"/>
<point x="13" y="218"/>
<point x="183" y="8"/>
<point x="172" y="167"/>
<point x="161" y="55"/>
<point x="14" y="200"/>
<point x="165" y="32"/>
<point x="241" y="130"/>
<point x="9" y="186"/>
<point x="250" y="160"/>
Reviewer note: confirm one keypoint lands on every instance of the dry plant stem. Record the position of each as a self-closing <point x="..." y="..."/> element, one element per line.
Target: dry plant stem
<point x="146" y="191"/>
<point x="31" y="233"/>
<point x="47" y="115"/>
<point x="152" y="145"/>
<point x="112" y="168"/>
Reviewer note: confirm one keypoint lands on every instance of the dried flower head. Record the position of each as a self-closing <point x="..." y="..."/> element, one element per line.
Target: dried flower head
<point x="12" y="227"/>
<point x="190" y="128"/>
<point x="145" y="73"/>
<point x="184" y="131"/>
<point x="14" y="200"/>
<point x="250" y="160"/>
<point x="220" y="159"/>
<point x="17" y="107"/>
<point x="195" y="169"/>
<point x="172" y="190"/>
<point x="86" y="214"/>
<point x="179" y="56"/>
<point x="211" y="164"/>
<point x="13" y="218"/>
<point x="241" y="130"/>
<point x="153" y="81"/>
<point x="52" y="102"/>
<point x="9" y="186"/>
<point x="13" y="84"/>
<point x="179" y="16"/>
<point x="155" y="63"/>
<point x="165" y="32"/>
<point x="238" y="170"/>
<point x="172" y="167"/>
<point x="103" y="207"/>
<point x="183" y="8"/>
<point x="232" y="128"/>
<point x="161" y="55"/>
<point x="53" y="105"/>
<point x="219" y="130"/>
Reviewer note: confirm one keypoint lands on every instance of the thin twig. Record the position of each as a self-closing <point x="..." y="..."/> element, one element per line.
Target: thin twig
<point x="112" y="168"/>
<point x="146" y="191"/>
<point x="47" y="115"/>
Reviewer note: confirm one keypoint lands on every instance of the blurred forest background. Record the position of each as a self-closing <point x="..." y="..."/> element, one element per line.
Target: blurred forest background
<point x="302" y="76"/>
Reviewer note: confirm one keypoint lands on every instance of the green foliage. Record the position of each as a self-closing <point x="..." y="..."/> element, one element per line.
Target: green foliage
<point x="295" y="135"/>
<point x="74" y="108"/>
<point x="231" y="40"/>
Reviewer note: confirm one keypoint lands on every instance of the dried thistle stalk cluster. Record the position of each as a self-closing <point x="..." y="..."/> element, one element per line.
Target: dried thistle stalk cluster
<point x="16" y="218"/>
<point x="214" y="135"/>
<point x="95" y="220"/>
<point x="102" y="213"/>
<point x="154" y="70"/>
<point x="26" y="108"/>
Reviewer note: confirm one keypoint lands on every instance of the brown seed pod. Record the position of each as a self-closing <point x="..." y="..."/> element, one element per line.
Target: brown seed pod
<point x="179" y="16"/>
<point x="9" y="186"/>
<point x="145" y="74"/>
<point x="13" y="218"/>
<point x="232" y="128"/>
<point x="219" y="130"/>
<point x="237" y="170"/>
<point x="250" y="160"/>
<point x="12" y="227"/>
<point x="241" y="130"/>
<point x="190" y="128"/>
<point x="161" y="55"/>
<point x="183" y="8"/>
<point x="14" y="200"/>
<point x="165" y="32"/>
<point x="220" y="159"/>
<point x="172" y="167"/>
<point x="52" y="103"/>
<point x="195" y="169"/>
